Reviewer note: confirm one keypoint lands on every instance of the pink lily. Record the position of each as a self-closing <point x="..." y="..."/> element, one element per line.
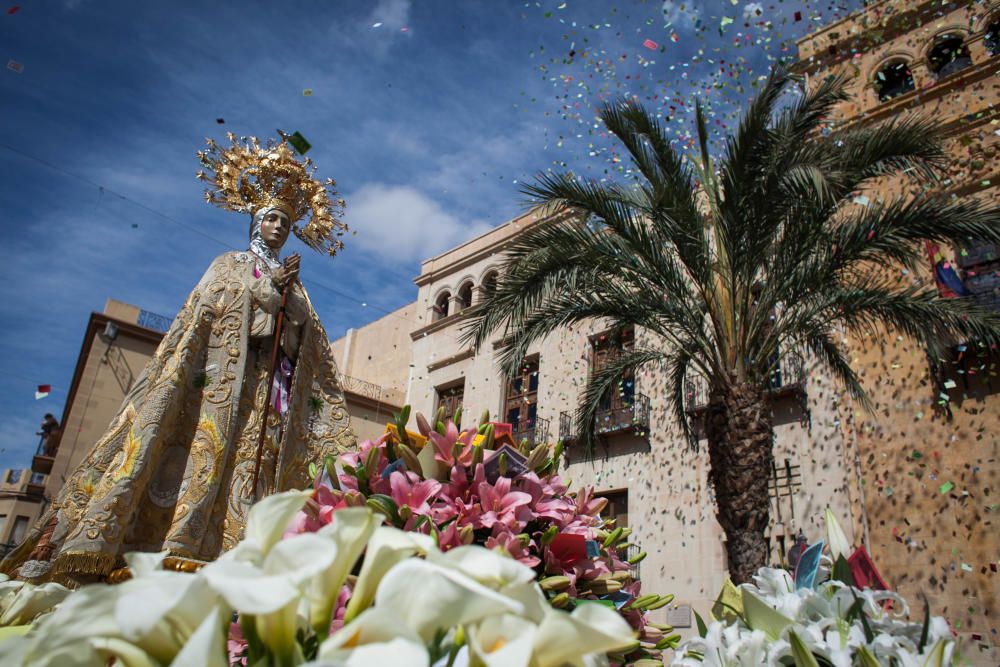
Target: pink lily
<point x="454" y="536"/>
<point x="411" y="494"/>
<point x="587" y="504"/>
<point x="236" y="645"/>
<point x="444" y="445"/>
<point x="500" y="504"/>
<point x="511" y="544"/>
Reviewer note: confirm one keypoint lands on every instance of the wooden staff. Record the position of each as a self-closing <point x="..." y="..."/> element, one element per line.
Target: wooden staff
<point x="279" y="325"/>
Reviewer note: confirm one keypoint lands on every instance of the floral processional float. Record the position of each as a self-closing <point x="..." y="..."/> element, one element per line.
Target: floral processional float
<point x="446" y="547"/>
<point x="441" y="547"/>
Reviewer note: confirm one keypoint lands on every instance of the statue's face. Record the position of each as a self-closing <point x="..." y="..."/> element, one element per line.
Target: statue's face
<point x="274" y="228"/>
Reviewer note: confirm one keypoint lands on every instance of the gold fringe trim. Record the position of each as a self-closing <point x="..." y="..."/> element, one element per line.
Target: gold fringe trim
<point x="86" y="563"/>
<point x="172" y="563"/>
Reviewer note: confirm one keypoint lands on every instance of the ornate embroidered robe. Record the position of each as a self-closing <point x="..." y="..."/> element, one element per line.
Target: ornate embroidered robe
<point x="174" y="469"/>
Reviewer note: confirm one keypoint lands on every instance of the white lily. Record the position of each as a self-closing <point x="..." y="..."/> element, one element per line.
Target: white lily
<point x="428" y="597"/>
<point x="591" y="628"/>
<point x="386" y="547"/>
<point x="839" y="546"/>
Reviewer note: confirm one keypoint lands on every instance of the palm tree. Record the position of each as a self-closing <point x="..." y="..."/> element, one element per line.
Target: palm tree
<point x="727" y="266"/>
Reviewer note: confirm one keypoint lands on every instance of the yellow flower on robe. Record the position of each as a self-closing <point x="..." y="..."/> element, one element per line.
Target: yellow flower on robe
<point x="131" y="452"/>
<point x="208" y="430"/>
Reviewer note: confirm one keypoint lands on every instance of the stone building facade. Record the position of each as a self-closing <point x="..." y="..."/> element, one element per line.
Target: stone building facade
<point x="928" y="452"/>
<point x="20" y="504"/>
<point x="655" y="480"/>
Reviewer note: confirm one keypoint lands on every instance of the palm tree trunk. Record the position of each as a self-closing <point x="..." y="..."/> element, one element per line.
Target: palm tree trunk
<point x="739" y="429"/>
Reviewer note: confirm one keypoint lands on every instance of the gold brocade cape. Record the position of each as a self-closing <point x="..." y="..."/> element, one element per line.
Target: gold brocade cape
<point x="174" y="469"/>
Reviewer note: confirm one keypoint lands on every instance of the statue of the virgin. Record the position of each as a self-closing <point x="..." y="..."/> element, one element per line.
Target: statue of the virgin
<point x="176" y="469"/>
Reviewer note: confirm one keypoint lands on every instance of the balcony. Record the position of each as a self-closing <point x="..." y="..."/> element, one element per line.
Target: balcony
<point x="45" y="455"/>
<point x="36" y="485"/>
<point x="535" y="433"/>
<point x="624" y="414"/>
<point x="788" y="379"/>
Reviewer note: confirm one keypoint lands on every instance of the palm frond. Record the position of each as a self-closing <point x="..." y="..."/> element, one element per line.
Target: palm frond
<point x="822" y="346"/>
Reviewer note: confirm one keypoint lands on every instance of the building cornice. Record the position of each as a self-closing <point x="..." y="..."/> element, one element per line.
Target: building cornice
<point x="437" y="325"/>
<point x="453" y="359"/>
<point x="957" y="82"/>
<point x="880" y="29"/>
<point x="486" y="251"/>
<point x="354" y="398"/>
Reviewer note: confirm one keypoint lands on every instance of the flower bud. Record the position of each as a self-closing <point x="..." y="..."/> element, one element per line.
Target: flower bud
<point x="556" y="583"/>
<point x="560" y="600"/>
<point x="637" y="558"/>
<point x="423" y="426"/>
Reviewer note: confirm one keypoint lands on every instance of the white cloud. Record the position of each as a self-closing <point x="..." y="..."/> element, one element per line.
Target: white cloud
<point x="752" y="10"/>
<point x="392" y="14"/>
<point x="680" y="14"/>
<point x="400" y="223"/>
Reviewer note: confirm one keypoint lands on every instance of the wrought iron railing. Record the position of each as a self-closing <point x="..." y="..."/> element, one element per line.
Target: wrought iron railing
<point x="535" y="433"/>
<point x="624" y="413"/>
<point x="154" y="321"/>
<point x="632" y="551"/>
<point x="789" y="374"/>
<point x="48" y="445"/>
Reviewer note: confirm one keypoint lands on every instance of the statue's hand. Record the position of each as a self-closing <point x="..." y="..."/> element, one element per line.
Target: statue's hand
<point x="287" y="273"/>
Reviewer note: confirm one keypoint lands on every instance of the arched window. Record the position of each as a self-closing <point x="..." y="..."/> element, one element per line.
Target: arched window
<point x="949" y="55"/>
<point x="893" y="80"/>
<point x="992" y="37"/>
<point x="490" y="282"/>
<point x="465" y="296"/>
<point x="441" y="305"/>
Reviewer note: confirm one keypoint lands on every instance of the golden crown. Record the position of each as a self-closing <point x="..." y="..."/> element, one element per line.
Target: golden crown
<point x="248" y="177"/>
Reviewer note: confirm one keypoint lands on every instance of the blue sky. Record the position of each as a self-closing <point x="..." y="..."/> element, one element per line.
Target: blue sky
<point x="427" y="113"/>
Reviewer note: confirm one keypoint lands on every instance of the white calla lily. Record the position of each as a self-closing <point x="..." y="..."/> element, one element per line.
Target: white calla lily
<point x="266" y="523"/>
<point x="428" y="597"/>
<point x="398" y="652"/>
<point x="488" y="567"/>
<point x="386" y="547"/>
<point x="266" y="587"/>
<point x="591" y="628"/>
<point x="271" y="591"/>
<point x="23" y="604"/>
<point x="349" y="532"/>
<point x="503" y="640"/>
<point x="65" y="636"/>
<point x="159" y="612"/>
<point x="374" y="625"/>
<point x="207" y="646"/>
